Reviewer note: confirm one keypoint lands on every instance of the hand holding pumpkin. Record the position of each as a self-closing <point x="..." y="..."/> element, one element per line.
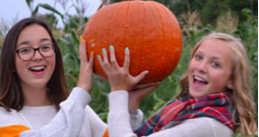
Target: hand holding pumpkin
<point x="85" y="79"/>
<point x="138" y="92"/>
<point x="119" y="77"/>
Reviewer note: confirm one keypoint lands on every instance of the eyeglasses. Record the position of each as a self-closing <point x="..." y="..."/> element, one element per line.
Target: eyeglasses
<point x="27" y="53"/>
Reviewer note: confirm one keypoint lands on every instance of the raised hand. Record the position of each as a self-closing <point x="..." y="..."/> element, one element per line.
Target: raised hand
<point x="138" y="92"/>
<point x="85" y="79"/>
<point x="119" y="77"/>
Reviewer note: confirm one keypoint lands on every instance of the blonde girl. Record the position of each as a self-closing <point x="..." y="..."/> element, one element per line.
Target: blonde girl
<point x="215" y="99"/>
<point x="241" y="93"/>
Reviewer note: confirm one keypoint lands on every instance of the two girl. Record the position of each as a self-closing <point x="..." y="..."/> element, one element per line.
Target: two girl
<point x="215" y="99"/>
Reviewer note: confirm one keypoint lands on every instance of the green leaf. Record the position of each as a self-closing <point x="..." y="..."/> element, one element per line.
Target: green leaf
<point x="74" y="37"/>
<point x="35" y="11"/>
<point x="48" y="7"/>
<point x="85" y="19"/>
<point x="28" y="3"/>
<point x="62" y="40"/>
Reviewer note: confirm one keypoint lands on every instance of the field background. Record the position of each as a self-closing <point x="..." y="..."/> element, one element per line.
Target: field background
<point x="196" y="18"/>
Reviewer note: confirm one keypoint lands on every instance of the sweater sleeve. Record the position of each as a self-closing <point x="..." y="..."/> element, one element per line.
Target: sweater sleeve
<point x="70" y="115"/>
<point x="119" y="122"/>
<point x="97" y="126"/>
<point x="135" y="120"/>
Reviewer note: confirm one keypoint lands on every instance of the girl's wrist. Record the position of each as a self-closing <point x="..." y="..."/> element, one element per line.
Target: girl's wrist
<point x="117" y="88"/>
<point x="133" y="105"/>
<point x="86" y="88"/>
<point x="133" y="112"/>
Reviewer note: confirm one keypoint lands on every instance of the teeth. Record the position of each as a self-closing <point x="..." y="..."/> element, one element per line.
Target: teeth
<point x="199" y="79"/>
<point x="37" y="68"/>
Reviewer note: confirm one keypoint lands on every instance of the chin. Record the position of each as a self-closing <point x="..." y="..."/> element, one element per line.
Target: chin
<point x="194" y="94"/>
<point x="39" y="83"/>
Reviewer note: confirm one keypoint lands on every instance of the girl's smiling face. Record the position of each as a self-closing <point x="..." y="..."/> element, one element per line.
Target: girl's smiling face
<point x="210" y="68"/>
<point x="37" y="71"/>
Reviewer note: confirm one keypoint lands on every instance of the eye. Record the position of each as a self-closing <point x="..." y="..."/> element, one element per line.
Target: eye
<point x="215" y="64"/>
<point x="24" y="50"/>
<point x="46" y="47"/>
<point x="198" y="57"/>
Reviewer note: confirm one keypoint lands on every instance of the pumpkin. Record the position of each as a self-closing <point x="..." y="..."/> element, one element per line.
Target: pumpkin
<point x="147" y="28"/>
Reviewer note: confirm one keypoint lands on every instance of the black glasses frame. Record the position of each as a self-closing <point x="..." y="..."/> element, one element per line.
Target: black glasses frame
<point x="34" y="51"/>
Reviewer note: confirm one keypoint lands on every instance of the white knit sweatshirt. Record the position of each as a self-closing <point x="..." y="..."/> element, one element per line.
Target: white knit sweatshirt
<point x="119" y="122"/>
<point x="74" y="119"/>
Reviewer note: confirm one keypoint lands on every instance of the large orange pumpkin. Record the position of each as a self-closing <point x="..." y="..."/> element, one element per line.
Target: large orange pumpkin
<point x="147" y="28"/>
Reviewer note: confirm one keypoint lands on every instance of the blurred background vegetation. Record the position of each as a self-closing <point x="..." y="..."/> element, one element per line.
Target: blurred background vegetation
<point x="196" y="17"/>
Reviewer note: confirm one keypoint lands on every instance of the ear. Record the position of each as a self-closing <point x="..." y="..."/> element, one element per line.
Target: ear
<point x="230" y="84"/>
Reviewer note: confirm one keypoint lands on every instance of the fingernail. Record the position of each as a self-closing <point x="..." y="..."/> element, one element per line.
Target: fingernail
<point x="111" y="47"/>
<point x="127" y="49"/>
<point x="157" y="83"/>
<point x="161" y="82"/>
<point x="92" y="45"/>
<point x="146" y="72"/>
<point x="81" y="37"/>
<point x="104" y="50"/>
<point x="98" y="56"/>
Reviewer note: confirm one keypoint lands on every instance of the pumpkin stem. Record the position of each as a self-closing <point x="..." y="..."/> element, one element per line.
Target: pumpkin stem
<point x="104" y="1"/>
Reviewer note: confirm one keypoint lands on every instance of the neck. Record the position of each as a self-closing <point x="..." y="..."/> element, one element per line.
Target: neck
<point x="35" y="96"/>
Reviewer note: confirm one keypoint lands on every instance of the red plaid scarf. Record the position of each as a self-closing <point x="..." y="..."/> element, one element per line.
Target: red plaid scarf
<point x="216" y="106"/>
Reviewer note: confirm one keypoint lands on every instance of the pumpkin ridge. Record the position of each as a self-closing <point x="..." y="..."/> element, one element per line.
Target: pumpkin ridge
<point x="110" y="42"/>
<point x="100" y="24"/>
<point x="126" y="28"/>
<point x="131" y="38"/>
<point x="143" y="59"/>
<point x="163" y="39"/>
<point x="141" y="53"/>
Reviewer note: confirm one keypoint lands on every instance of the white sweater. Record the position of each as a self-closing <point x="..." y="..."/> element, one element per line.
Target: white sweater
<point x="119" y="122"/>
<point x="74" y="118"/>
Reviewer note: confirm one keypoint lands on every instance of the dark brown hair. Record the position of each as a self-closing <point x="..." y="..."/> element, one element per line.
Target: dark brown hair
<point x="11" y="96"/>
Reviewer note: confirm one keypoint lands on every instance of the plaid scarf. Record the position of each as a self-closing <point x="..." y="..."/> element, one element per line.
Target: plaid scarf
<point x="216" y="106"/>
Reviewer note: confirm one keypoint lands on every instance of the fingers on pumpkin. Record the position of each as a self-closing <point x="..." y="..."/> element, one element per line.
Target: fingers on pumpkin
<point x="105" y="58"/>
<point x="126" y="59"/>
<point x="82" y="50"/>
<point x="140" y="76"/>
<point x="101" y="62"/>
<point x="105" y="65"/>
<point x="140" y="86"/>
<point x="113" y="57"/>
<point x="91" y="61"/>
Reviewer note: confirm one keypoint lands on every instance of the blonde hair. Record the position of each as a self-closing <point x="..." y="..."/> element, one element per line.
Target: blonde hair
<point x="241" y="93"/>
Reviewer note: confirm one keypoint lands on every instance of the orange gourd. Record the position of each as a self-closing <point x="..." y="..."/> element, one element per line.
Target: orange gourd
<point x="147" y="28"/>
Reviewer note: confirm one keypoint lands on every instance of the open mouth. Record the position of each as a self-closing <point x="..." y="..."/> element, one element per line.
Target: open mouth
<point x="37" y="69"/>
<point x="199" y="81"/>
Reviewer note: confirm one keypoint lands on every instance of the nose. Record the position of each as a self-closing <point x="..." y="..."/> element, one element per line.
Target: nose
<point x="202" y="66"/>
<point x="37" y="55"/>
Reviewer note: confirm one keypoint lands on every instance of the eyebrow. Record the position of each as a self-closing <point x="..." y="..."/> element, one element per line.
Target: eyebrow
<point x="28" y="42"/>
<point x="45" y="39"/>
<point x="211" y="57"/>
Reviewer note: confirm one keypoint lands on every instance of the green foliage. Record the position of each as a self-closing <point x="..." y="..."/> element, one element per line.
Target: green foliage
<point x="210" y="10"/>
<point x="246" y="29"/>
